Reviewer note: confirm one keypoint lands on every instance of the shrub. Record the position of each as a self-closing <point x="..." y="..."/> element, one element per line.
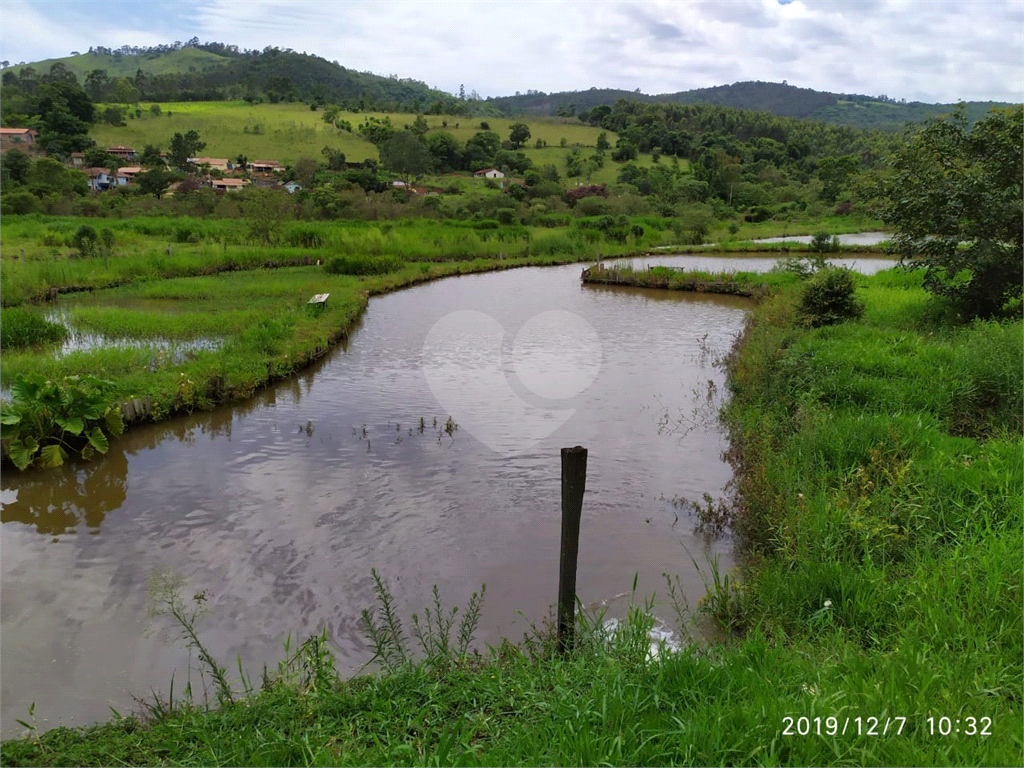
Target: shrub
<point x="86" y="240"/>
<point x="829" y="297"/>
<point x="363" y="265"/>
<point x="22" y="328"/>
<point x="18" y="203"/>
<point x="823" y="242"/>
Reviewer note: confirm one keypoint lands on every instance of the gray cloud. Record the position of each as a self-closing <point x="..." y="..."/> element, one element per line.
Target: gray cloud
<point x="937" y="50"/>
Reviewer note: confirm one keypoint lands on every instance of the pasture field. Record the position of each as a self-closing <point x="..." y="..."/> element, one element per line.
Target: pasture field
<point x="285" y="132"/>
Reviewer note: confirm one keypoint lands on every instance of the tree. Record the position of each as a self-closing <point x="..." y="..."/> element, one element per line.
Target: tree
<point x="267" y="210"/>
<point x="95" y="157"/>
<point x="14" y="165"/>
<point x="155" y="182"/>
<point x="184" y="147"/>
<point x="481" y="148"/>
<point x="49" y="176"/>
<point x="406" y="154"/>
<point x="335" y="158"/>
<point x="602" y="142"/>
<point x="954" y="198"/>
<point x="446" y="151"/>
<point x="518" y="135"/>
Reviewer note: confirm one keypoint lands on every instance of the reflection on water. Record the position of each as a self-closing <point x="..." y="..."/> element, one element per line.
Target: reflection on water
<point x="281" y="505"/>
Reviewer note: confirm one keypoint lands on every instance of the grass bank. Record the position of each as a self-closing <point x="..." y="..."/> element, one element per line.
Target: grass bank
<point x="748" y="284"/>
<point x="878" y="620"/>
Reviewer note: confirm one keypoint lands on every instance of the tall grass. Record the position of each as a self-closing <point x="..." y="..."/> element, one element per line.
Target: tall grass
<point x="26" y="328"/>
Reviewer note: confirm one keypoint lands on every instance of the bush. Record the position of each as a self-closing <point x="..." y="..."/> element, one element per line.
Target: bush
<point x="363" y="265"/>
<point x="86" y="240"/>
<point x="506" y="216"/>
<point x="18" y="203"/>
<point x="823" y="242"/>
<point x="828" y="298"/>
<point x="22" y="328"/>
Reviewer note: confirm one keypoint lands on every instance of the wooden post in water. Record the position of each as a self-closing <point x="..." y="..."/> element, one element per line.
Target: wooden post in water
<point x="574" y="481"/>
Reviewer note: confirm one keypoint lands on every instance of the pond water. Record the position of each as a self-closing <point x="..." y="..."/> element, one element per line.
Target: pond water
<point x="279" y="507"/>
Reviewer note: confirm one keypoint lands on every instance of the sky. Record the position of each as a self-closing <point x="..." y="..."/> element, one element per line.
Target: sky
<point x="918" y="50"/>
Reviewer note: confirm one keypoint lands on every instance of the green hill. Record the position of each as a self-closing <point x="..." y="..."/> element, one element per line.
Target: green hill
<point x="120" y="65"/>
<point x="781" y="99"/>
<point x="218" y="72"/>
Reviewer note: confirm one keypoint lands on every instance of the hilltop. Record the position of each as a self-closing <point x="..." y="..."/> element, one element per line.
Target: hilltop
<point x="195" y="71"/>
<point x="780" y="99"/>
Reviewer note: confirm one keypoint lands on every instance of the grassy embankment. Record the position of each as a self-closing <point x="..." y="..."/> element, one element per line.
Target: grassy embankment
<point x="173" y="281"/>
<point x="248" y="300"/>
<point x="879" y="465"/>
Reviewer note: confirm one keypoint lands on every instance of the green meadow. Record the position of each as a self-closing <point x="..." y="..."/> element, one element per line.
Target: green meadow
<point x="287" y="131"/>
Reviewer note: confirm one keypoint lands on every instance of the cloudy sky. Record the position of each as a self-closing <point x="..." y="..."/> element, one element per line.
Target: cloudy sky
<point x="927" y="50"/>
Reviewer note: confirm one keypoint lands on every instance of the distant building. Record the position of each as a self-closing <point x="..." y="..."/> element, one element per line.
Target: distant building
<point x="228" y="185"/>
<point x="265" y="166"/>
<point x="130" y="171"/>
<point x="218" y="163"/>
<point x="489" y="173"/>
<point x="10" y="136"/>
<point x="125" y="153"/>
<point x="100" y="179"/>
<point x="77" y="159"/>
<point x="293" y="187"/>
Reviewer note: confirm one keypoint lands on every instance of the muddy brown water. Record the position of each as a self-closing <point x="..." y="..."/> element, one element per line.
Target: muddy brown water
<point x="280" y="506"/>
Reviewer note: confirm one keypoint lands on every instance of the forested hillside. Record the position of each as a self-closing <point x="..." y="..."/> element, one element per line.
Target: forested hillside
<point x="856" y="110"/>
<point x="196" y="71"/>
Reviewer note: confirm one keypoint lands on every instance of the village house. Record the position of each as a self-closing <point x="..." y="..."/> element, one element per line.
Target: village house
<point x="215" y="163"/>
<point x="100" y="179"/>
<point x="489" y="173"/>
<point x="14" y="136"/>
<point x="125" y="153"/>
<point x="77" y="159"/>
<point x="293" y="187"/>
<point x="265" y="166"/>
<point x="130" y="171"/>
<point x="228" y="185"/>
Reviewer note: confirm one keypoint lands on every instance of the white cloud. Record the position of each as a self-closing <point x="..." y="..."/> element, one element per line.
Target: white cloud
<point x="926" y="50"/>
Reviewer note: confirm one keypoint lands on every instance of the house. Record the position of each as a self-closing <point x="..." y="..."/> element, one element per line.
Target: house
<point x="293" y="187"/>
<point x="265" y="166"/>
<point x="228" y="185"/>
<point x="215" y="163"/>
<point x="489" y="173"/>
<point x="9" y="136"/>
<point x="125" y="153"/>
<point x="77" y="159"/>
<point x="100" y="179"/>
<point x="130" y="171"/>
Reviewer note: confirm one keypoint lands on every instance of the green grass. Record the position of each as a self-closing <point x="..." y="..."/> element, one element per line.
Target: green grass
<point x="282" y="132"/>
<point x="285" y="132"/>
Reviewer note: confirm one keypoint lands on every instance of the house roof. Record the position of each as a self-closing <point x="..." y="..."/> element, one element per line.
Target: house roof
<point x="228" y="182"/>
<point x="130" y="169"/>
<point x="482" y="171"/>
<point x="209" y="160"/>
<point x="17" y="132"/>
<point x="95" y="172"/>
